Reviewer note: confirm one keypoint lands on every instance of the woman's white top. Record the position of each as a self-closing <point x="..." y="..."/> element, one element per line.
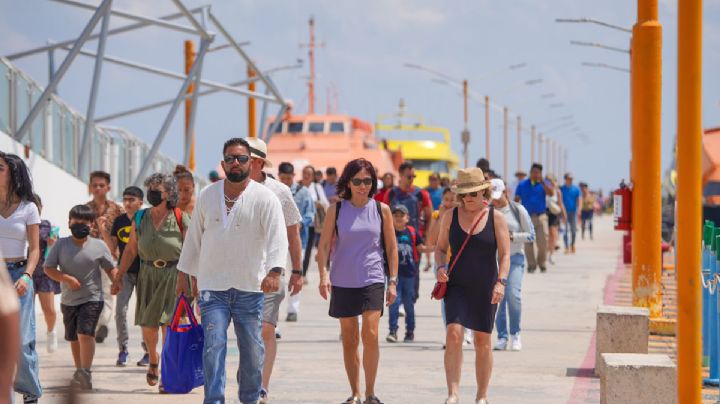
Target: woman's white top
<point x="13" y="230"/>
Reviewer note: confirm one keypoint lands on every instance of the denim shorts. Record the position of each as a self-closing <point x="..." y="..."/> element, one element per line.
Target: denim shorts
<point x="81" y="319"/>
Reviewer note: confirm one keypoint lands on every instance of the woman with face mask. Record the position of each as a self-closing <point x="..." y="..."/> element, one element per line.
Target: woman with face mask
<point x="157" y="236"/>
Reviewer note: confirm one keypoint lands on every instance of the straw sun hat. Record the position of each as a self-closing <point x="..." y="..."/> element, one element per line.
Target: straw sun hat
<point x="470" y="179"/>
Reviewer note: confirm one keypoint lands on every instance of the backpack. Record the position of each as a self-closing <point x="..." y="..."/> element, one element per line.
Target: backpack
<point x="413" y="238"/>
<point x="178" y="217"/>
<point x="382" y="232"/>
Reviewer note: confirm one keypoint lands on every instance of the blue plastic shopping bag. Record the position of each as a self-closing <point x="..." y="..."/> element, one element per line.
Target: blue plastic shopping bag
<point x="182" y="354"/>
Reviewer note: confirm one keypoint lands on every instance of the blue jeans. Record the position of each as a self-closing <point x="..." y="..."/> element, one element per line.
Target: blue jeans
<point x="245" y="309"/>
<point x="27" y="378"/>
<point x="571" y="228"/>
<point x="406" y="297"/>
<point x="511" y="302"/>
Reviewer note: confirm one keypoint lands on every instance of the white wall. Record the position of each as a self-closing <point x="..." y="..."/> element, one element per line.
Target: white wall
<point x="58" y="189"/>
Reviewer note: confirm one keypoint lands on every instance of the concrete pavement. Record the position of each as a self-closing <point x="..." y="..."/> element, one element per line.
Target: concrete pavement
<point x="558" y="323"/>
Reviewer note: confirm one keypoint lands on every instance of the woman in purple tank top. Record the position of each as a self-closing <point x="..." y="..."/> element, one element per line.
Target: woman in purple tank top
<point x="356" y="229"/>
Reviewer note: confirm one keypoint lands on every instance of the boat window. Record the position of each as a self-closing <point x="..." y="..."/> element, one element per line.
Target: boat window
<point x="337" y="127"/>
<point x="278" y="129"/>
<point x="439" y="166"/>
<point x="316" y="127"/>
<point x="295" y="127"/>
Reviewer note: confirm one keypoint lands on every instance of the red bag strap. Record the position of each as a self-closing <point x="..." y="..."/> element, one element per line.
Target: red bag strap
<point x="182" y="303"/>
<point x="470" y="234"/>
<point x="179" y="219"/>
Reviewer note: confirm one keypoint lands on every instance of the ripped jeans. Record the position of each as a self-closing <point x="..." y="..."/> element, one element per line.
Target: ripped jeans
<point x="245" y="310"/>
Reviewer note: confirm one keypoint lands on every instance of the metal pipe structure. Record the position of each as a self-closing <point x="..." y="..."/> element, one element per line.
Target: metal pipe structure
<point x="593" y="21"/>
<point x="198" y="26"/>
<point x="189" y="54"/>
<point x="532" y="144"/>
<point x="487" y="127"/>
<point x="646" y="159"/>
<point x="689" y="209"/>
<point x="606" y="66"/>
<point x="204" y="44"/>
<point x="251" y="104"/>
<point x="506" y="163"/>
<point x="113" y="31"/>
<point x="278" y="97"/>
<point x="190" y="133"/>
<point x="601" y="46"/>
<point x="151" y="21"/>
<point x="52" y="85"/>
<point x="84" y="166"/>
<point x="161" y="104"/>
<point x="167" y="73"/>
<point x="519" y="144"/>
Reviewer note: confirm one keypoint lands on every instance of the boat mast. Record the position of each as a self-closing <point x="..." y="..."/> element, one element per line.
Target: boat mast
<point x="311" y="58"/>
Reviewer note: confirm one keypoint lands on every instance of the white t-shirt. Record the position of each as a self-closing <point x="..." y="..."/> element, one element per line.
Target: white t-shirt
<point x="13" y="230"/>
<point x="289" y="208"/>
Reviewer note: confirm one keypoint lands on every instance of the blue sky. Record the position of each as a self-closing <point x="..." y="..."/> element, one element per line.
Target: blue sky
<point x="366" y="45"/>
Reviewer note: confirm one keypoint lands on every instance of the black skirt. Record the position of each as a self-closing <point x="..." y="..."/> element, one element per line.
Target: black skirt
<point x="352" y="302"/>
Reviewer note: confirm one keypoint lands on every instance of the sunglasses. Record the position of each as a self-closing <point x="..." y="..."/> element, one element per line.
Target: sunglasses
<point x="241" y="158"/>
<point x="365" y="181"/>
<point x="411" y="177"/>
<point x="473" y="194"/>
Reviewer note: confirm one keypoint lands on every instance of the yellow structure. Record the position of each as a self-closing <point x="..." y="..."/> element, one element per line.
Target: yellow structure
<point x="689" y="209"/>
<point x="427" y="147"/>
<point x="646" y="77"/>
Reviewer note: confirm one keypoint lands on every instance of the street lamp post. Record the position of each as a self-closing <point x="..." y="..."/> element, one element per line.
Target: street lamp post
<point x="519" y="144"/>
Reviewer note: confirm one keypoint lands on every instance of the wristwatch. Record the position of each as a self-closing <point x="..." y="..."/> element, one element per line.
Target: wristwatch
<point x="277" y="270"/>
<point x="393" y="279"/>
<point x="297" y="271"/>
<point x="502" y="281"/>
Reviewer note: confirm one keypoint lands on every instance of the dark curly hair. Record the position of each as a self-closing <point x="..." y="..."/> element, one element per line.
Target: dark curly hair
<point x="21" y="185"/>
<point x="351" y="169"/>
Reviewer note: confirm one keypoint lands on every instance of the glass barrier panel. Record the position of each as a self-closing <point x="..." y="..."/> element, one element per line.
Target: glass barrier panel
<point x="22" y="103"/>
<point x="69" y="142"/>
<point x="56" y="133"/>
<point x="37" y="130"/>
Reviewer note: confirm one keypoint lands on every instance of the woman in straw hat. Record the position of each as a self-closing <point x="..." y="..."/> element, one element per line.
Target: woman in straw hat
<point x="478" y="237"/>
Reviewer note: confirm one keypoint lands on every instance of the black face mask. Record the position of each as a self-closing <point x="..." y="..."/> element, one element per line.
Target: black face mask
<point x="237" y="177"/>
<point x="154" y="197"/>
<point x="80" y="230"/>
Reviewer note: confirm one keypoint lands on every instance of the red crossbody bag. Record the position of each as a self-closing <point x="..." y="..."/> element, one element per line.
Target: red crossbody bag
<point x="440" y="288"/>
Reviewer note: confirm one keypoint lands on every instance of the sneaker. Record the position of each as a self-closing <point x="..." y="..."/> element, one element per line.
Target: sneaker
<point x="51" y="341"/>
<point x="277" y="334"/>
<point x="291" y="317"/>
<point x="572" y="249"/>
<point x="482" y="401"/>
<point x="515" y="343"/>
<point x="401" y="311"/>
<point x="409" y="336"/>
<point x="372" y="399"/>
<point x="468" y="337"/>
<point x="144" y="361"/>
<point x="122" y="359"/>
<point x="28" y="399"/>
<point x="101" y="334"/>
<point x="263" y="397"/>
<point x="452" y="400"/>
<point x="501" y="344"/>
<point x="352" y="400"/>
<point x="567" y="251"/>
<point x="392" y="337"/>
<point x="82" y="379"/>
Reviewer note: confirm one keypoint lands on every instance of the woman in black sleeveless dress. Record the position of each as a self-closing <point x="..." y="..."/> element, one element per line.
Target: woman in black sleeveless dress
<point x="476" y="284"/>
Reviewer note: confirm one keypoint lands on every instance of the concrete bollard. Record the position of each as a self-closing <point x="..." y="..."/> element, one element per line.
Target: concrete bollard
<point x="638" y="378"/>
<point x="620" y="330"/>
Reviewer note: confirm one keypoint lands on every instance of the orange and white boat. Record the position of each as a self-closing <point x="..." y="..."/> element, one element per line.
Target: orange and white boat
<point x="326" y="140"/>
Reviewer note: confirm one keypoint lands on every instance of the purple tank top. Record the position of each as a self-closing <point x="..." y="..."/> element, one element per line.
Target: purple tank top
<point x="357" y="258"/>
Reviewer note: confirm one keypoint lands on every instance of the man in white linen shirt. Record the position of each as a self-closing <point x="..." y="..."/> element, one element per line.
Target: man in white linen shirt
<point x="271" y="309"/>
<point x="236" y="248"/>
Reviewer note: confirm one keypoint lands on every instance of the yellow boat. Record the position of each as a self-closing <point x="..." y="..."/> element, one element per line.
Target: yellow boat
<point x="427" y="147"/>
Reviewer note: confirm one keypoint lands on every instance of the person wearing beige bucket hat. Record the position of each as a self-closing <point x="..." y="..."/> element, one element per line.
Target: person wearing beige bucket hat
<point x="476" y="275"/>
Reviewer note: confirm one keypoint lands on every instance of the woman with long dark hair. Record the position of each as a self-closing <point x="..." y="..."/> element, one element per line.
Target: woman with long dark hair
<point x="359" y="231"/>
<point x="156" y="237"/>
<point x="186" y="189"/>
<point x="20" y="249"/>
<point x="479" y="240"/>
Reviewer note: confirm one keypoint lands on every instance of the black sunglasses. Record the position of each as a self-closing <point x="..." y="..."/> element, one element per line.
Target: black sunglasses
<point x="241" y="158"/>
<point x="366" y="181"/>
<point x="473" y="194"/>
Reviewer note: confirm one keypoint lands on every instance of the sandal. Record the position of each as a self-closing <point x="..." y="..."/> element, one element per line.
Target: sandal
<point x="352" y="400"/>
<point x="372" y="399"/>
<point x="151" y="378"/>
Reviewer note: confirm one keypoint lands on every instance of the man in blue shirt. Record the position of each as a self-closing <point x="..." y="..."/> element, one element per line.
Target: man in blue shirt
<point x="571" y="198"/>
<point x="435" y="190"/>
<point x="330" y="185"/>
<point x="302" y="197"/>
<point x="532" y="192"/>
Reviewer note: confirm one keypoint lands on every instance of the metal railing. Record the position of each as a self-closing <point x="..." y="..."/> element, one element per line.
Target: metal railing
<point x="57" y="134"/>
